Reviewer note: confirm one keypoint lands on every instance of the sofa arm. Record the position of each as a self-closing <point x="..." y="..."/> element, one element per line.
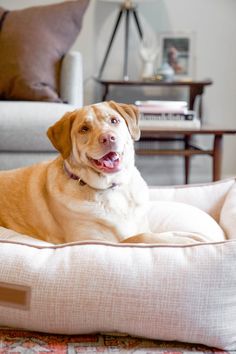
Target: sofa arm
<point x="71" y="79"/>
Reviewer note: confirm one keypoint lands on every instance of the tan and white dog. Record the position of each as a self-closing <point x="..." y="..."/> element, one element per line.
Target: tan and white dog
<point x="92" y="191"/>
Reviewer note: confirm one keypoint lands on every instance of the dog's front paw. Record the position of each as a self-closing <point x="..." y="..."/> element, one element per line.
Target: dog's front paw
<point x="170" y="237"/>
<point x="146" y="237"/>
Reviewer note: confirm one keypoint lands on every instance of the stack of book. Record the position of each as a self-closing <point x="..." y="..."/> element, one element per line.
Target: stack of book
<point x="167" y="114"/>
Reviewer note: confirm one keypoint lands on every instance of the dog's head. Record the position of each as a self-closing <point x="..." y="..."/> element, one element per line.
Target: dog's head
<point x="99" y="136"/>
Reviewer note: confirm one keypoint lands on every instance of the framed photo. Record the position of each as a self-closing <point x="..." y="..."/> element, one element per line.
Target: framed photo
<point x="176" y="49"/>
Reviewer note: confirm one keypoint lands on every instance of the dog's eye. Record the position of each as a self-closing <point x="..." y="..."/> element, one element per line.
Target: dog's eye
<point x="114" y="120"/>
<point x="84" y="129"/>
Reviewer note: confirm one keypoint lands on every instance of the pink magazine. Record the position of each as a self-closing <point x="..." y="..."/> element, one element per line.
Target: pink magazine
<point x="162" y="106"/>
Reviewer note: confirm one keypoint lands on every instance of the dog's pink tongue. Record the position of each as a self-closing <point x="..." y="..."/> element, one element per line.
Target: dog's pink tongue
<point x="109" y="162"/>
<point x="110" y="159"/>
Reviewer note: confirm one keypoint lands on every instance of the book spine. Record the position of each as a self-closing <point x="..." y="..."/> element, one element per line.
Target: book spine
<point x="159" y="110"/>
<point x="168" y="116"/>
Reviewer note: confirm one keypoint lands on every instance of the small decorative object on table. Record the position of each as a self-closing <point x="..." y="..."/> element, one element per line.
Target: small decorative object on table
<point x="165" y="72"/>
<point x="176" y="49"/>
<point x="148" y="51"/>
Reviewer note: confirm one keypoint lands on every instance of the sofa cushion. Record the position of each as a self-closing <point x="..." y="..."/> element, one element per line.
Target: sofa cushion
<point x="24" y="124"/>
<point x="12" y="160"/>
<point x="32" y="43"/>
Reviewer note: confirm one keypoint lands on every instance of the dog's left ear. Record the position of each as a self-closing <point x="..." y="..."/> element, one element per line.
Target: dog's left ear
<point x="131" y="114"/>
<point x="60" y="134"/>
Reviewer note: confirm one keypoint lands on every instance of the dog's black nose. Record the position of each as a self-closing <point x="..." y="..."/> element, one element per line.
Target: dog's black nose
<point x="107" y="138"/>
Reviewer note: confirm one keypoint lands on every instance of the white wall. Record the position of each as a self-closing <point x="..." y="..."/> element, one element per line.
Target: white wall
<point x="212" y="22"/>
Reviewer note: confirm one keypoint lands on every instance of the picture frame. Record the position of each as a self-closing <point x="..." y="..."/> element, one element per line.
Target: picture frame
<point x="176" y="49"/>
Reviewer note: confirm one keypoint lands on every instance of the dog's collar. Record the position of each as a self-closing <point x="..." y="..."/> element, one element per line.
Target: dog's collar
<point x="79" y="179"/>
<point x="73" y="176"/>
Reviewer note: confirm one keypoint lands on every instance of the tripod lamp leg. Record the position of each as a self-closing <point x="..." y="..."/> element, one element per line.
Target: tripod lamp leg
<point x="110" y="43"/>
<point x="137" y="23"/>
<point x="125" y="71"/>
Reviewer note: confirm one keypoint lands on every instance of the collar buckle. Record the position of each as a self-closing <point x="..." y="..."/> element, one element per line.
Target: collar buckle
<point x="81" y="182"/>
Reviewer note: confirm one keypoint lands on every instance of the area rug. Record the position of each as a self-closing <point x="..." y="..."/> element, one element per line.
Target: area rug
<point x="25" y="342"/>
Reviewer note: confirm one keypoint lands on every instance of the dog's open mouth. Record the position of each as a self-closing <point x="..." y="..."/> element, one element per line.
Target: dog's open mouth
<point x="109" y="163"/>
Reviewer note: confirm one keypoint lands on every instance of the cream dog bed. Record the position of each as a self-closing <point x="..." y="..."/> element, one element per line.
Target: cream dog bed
<point x="169" y="292"/>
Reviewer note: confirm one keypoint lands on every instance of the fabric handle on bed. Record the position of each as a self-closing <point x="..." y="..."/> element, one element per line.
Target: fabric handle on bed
<point x="13" y="295"/>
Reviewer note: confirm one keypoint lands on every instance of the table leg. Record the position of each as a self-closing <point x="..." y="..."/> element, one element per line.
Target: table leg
<point x="194" y="91"/>
<point x="186" y="159"/>
<point x="217" y="157"/>
<point x="105" y="93"/>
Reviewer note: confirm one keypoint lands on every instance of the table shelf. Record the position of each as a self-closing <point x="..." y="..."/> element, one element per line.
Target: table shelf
<point x="196" y="89"/>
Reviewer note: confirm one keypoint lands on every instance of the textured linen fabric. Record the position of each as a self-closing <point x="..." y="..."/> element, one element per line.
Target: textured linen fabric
<point x="71" y="79"/>
<point x="23" y="139"/>
<point x="30" y="129"/>
<point x="12" y="160"/>
<point x="163" y="292"/>
<point x="175" y="216"/>
<point x="168" y="292"/>
<point x="208" y="197"/>
<point x="32" y="43"/>
<point x="228" y="214"/>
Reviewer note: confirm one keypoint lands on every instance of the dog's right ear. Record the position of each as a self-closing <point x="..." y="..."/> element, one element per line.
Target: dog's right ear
<point x="60" y="134"/>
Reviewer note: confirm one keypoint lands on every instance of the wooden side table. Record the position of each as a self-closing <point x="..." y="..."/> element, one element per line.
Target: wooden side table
<point x="196" y="88"/>
<point x="188" y="149"/>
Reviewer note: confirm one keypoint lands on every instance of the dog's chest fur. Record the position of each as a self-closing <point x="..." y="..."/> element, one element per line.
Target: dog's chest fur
<point x="111" y="214"/>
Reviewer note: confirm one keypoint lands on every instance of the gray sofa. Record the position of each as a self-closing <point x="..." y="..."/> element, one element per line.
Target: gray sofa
<point x="23" y="124"/>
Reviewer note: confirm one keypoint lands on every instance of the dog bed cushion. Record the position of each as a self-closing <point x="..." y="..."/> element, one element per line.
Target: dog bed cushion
<point x="228" y="214"/>
<point x="169" y="292"/>
<point x="169" y="216"/>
